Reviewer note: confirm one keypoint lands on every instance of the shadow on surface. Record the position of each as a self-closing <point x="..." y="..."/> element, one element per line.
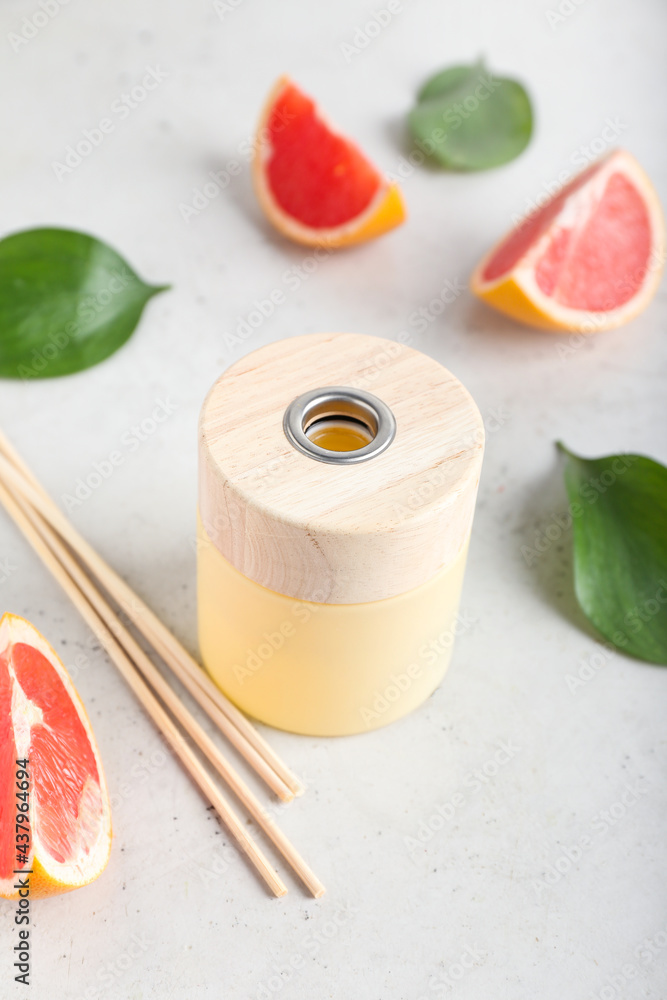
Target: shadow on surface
<point x="543" y="524"/>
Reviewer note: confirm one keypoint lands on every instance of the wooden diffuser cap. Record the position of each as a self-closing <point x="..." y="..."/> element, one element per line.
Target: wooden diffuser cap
<point x="339" y="533"/>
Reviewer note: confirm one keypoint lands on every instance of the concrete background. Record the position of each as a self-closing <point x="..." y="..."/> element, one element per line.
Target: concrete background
<point x="498" y="898"/>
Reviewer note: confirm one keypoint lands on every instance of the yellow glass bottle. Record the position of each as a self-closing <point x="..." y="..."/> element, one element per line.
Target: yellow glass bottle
<point x="338" y="476"/>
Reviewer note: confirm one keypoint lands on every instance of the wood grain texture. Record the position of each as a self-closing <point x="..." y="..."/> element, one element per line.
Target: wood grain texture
<point x="328" y="533"/>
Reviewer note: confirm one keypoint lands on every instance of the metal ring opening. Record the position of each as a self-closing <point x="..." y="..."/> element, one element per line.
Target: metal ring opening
<point x="352" y="415"/>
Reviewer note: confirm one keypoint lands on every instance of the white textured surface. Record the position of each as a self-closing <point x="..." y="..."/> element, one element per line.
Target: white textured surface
<point x="393" y="922"/>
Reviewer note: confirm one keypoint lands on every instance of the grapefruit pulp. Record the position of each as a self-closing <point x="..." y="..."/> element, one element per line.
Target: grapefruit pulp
<point x="313" y="184"/>
<point x="589" y="259"/>
<point x="55" y="819"/>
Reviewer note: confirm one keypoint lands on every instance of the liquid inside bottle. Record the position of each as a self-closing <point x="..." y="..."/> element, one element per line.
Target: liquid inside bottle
<point x="339" y="434"/>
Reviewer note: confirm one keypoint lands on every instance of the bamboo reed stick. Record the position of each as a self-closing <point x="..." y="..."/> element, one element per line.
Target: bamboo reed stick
<point x="231" y="721"/>
<point x="145" y="696"/>
<point x="175" y="705"/>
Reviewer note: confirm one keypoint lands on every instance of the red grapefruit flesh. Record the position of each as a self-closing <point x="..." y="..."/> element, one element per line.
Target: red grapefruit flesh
<point x="315" y="185"/>
<point x="589" y="259"/>
<point x="43" y="722"/>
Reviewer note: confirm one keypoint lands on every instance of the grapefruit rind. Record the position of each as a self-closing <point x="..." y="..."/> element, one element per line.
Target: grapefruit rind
<point x="516" y="292"/>
<point x="50" y="877"/>
<point x="385" y="211"/>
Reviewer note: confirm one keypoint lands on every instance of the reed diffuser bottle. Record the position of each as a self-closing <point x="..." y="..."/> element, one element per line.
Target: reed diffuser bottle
<point x="337" y="486"/>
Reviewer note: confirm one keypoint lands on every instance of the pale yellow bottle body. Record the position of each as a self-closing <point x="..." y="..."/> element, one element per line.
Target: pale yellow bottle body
<point x="324" y="669"/>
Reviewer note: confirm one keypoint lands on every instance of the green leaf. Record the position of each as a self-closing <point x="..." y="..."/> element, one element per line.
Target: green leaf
<point x="466" y="118"/>
<point x="67" y="301"/>
<point x="619" y="513"/>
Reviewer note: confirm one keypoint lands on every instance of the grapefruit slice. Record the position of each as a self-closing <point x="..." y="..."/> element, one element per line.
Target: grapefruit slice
<point x="52" y="786"/>
<point x="314" y="185"/>
<point x="589" y="259"/>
